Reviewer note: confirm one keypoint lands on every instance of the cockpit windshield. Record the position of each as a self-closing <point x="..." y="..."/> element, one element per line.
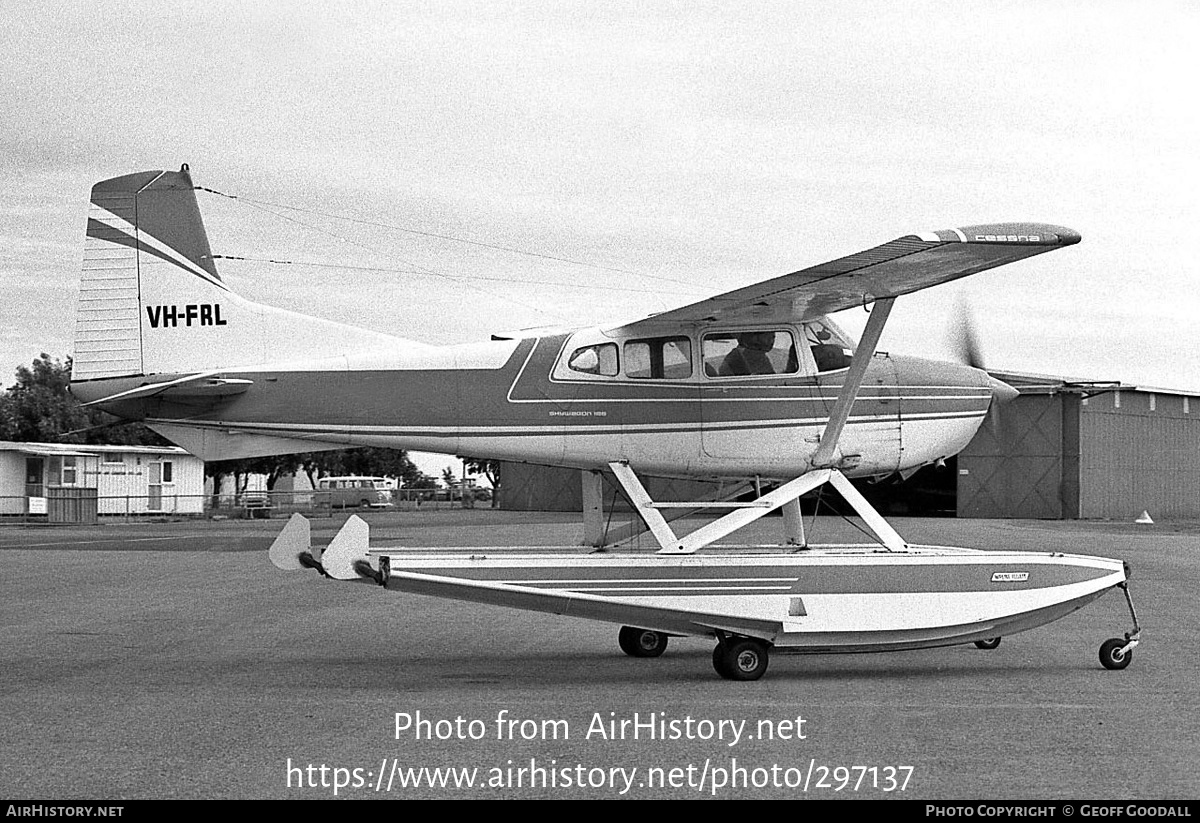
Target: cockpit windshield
<point x="831" y="348"/>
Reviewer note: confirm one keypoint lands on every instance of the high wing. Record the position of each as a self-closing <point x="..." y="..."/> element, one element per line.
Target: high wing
<point x="904" y="265"/>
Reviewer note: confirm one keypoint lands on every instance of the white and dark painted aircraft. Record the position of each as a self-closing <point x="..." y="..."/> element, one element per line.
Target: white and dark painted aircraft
<point x="755" y="383"/>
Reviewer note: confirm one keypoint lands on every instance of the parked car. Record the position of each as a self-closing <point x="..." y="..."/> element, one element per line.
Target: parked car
<point x="343" y="492"/>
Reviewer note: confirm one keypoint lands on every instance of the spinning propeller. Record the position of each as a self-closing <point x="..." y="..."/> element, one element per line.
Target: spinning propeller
<point x="964" y="341"/>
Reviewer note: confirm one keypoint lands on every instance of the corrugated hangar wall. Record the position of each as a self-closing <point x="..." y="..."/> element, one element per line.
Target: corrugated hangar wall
<point x="1140" y="451"/>
<point x="1063" y="454"/>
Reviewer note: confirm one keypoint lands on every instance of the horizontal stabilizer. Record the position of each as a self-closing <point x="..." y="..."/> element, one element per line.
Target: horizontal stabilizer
<point x="198" y="387"/>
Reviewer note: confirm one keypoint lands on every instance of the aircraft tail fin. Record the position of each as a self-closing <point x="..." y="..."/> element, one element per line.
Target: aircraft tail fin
<point x="133" y="221"/>
<point x="151" y="301"/>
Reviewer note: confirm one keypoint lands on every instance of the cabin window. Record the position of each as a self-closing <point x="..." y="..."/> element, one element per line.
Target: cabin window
<point x="830" y="348"/>
<point x="749" y="352"/>
<point x="600" y="359"/>
<point x="658" y="358"/>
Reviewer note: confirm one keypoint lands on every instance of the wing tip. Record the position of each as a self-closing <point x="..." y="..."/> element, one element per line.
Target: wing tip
<point x="1037" y="234"/>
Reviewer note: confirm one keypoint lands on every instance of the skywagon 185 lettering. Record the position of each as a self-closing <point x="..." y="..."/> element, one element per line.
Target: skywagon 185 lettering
<point x="193" y="314"/>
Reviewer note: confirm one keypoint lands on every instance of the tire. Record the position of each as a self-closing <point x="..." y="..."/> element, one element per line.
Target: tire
<point x="1111" y="656"/>
<point x="641" y="642"/>
<point x="990" y="643"/>
<point x="718" y="660"/>
<point x="741" y="659"/>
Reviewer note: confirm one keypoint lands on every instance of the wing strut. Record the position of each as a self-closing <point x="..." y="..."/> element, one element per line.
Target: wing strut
<point x="823" y="458"/>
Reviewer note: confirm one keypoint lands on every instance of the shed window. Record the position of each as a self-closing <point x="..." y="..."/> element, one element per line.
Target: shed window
<point x="62" y="471"/>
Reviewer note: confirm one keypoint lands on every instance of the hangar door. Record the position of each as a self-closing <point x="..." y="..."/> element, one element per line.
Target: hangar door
<point x="1024" y="461"/>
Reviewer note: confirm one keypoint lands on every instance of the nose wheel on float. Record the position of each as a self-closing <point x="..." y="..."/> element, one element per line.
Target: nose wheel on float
<point x="1117" y="653"/>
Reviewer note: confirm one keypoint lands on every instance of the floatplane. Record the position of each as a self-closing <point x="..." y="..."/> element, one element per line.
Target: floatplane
<point x="754" y="383"/>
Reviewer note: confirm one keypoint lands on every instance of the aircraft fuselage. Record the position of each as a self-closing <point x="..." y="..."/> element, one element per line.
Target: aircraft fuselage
<point x="521" y="400"/>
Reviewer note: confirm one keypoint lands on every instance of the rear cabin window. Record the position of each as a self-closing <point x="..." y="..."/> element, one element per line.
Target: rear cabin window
<point x="749" y="353"/>
<point x="600" y="359"/>
<point x="658" y="358"/>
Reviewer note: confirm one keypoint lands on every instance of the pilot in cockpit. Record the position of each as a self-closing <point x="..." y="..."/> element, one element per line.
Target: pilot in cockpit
<point x="750" y="356"/>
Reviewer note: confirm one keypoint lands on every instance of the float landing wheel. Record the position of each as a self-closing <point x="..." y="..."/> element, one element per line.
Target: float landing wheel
<point x="641" y="642"/>
<point x="1117" y="653"/>
<point x="742" y="658"/>
<point x="1114" y="654"/>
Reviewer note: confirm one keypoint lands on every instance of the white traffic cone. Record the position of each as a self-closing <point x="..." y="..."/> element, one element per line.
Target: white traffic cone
<point x="1144" y="518"/>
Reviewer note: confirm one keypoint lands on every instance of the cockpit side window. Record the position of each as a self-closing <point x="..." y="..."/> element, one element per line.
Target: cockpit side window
<point x="661" y="358"/>
<point x="600" y="359"/>
<point x="745" y="353"/>
<point x="830" y="349"/>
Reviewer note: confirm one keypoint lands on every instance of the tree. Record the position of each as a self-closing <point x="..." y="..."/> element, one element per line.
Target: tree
<point x="274" y="467"/>
<point x="491" y="470"/>
<point x="38" y="408"/>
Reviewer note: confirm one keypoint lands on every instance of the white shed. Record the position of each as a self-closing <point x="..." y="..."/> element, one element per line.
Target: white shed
<point x="125" y="479"/>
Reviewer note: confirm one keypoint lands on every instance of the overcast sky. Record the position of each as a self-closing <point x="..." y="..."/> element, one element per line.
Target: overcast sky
<point x="679" y="149"/>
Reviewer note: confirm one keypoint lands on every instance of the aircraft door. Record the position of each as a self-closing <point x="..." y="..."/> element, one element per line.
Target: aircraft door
<point x="757" y="393"/>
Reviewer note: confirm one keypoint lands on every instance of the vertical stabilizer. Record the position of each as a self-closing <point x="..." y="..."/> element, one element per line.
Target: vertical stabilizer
<point x="135" y="223"/>
<point x="151" y="301"/>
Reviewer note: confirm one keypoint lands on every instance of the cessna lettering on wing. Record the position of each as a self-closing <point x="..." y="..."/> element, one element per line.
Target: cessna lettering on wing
<point x="193" y="314"/>
<point x="1008" y="238"/>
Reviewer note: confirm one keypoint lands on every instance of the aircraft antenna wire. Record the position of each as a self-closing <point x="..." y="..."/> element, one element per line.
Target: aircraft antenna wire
<point x="422" y="271"/>
<point x="448" y="237"/>
<point x="462" y="281"/>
